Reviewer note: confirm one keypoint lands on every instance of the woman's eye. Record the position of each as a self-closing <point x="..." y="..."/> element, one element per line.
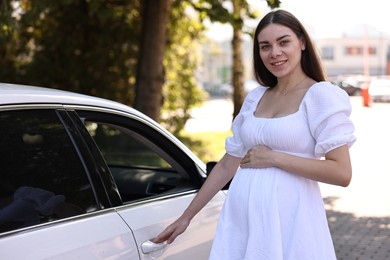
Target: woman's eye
<point x="283" y="43"/>
<point x="264" y="47"/>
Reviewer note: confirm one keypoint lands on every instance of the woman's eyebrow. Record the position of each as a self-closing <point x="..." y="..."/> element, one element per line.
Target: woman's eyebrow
<point x="278" y="39"/>
<point x="282" y="37"/>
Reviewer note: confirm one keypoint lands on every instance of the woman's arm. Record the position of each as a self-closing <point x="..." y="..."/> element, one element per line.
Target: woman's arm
<point x="221" y="174"/>
<point x="335" y="169"/>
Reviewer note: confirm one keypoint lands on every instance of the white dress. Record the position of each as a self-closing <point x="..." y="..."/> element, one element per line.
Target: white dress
<point x="270" y="214"/>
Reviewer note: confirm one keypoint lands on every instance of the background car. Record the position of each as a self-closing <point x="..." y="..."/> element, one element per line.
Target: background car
<point x="87" y="178"/>
<point x="379" y="90"/>
<point x="352" y="84"/>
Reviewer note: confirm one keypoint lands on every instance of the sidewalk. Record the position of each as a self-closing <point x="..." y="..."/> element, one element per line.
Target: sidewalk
<point x="358" y="237"/>
<point x="359" y="215"/>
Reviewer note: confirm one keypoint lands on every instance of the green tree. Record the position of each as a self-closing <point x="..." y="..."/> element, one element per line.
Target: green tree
<point x="181" y="90"/>
<point x="85" y="46"/>
<point x="239" y="7"/>
<point x="7" y="39"/>
<point x="151" y="71"/>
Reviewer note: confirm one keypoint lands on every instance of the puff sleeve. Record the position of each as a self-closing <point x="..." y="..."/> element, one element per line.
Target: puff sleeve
<point x="233" y="144"/>
<point x="328" y="109"/>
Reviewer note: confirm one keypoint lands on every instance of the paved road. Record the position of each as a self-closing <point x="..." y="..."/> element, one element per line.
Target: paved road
<point x="359" y="215"/>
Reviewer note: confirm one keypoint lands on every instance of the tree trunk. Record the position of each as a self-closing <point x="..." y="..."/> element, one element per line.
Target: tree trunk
<point x="150" y="74"/>
<point x="238" y="68"/>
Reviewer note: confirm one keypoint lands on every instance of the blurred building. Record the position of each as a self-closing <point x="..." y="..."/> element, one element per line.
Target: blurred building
<point x="360" y="51"/>
<point x="363" y="50"/>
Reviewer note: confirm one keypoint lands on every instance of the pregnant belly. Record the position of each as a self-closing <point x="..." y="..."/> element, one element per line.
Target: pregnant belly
<point x="272" y="187"/>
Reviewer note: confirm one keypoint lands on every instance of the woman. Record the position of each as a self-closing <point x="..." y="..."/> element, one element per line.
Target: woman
<point x="288" y="136"/>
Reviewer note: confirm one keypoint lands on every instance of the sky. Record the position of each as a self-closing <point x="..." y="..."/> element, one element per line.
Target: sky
<point x="325" y="18"/>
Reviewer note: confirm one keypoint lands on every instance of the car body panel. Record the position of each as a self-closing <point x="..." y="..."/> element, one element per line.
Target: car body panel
<point x="99" y="236"/>
<point x="150" y="219"/>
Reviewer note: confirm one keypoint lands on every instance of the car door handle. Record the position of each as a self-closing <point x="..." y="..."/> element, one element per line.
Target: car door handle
<point x="148" y="247"/>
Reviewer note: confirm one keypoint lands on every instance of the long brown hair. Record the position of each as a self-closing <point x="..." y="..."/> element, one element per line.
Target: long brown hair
<point x="310" y="61"/>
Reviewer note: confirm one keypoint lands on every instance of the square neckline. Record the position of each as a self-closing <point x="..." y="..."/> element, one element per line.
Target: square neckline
<point x="284" y="116"/>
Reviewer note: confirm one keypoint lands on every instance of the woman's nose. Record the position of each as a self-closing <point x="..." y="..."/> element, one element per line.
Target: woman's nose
<point x="276" y="51"/>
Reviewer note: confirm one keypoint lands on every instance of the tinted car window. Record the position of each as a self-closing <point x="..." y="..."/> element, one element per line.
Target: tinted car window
<point x="124" y="149"/>
<point x="41" y="175"/>
<point x="140" y="167"/>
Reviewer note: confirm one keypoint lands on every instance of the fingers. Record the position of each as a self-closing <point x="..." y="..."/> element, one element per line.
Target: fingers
<point x="177" y="230"/>
<point x="250" y="159"/>
<point x="172" y="238"/>
<point x="245" y="162"/>
<point x="164" y="236"/>
<point x="171" y="232"/>
<point x="246" y="158"/>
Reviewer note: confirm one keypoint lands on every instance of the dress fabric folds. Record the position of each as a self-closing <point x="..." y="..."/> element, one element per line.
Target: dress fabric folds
<point x="271" y="214"/>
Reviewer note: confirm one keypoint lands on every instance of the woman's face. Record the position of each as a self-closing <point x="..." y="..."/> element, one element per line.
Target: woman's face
<point x="280" y="50"/>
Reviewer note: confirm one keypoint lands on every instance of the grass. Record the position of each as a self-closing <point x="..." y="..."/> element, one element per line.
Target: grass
<point x="208" y="146"/>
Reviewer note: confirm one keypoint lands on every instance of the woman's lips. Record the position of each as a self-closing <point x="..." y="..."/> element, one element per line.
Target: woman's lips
<point x="278" y="63"/>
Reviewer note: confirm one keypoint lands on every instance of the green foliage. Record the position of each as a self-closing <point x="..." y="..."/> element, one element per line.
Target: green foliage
<point x="85" y="46"/>
<point x="273" y="3"/>
<point x="181" y="91"/>
<point x="7" y="40"/>
<point x="7" y="21"/>
<point x="212" y="9"/>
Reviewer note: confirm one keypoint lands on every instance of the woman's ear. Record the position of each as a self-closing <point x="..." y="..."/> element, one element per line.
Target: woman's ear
<point x="303" y="44"/>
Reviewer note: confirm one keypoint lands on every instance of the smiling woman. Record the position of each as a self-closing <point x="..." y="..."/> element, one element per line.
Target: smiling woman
<point x="292" y="132"/>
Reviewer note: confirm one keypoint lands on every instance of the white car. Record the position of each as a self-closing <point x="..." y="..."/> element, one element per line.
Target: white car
<point x="88" y="178"/>
<point x="379" y="90"/>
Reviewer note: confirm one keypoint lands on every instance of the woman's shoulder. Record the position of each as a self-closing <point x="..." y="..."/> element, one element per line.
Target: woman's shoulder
<point x="252" y="98"/>
<point x="326" y="96"/>
<point x="326" y="88"/>
<point x="256" y="92"/>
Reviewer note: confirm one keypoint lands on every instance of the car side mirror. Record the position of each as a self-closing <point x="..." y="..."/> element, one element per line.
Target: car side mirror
<point x="209" y="168"/>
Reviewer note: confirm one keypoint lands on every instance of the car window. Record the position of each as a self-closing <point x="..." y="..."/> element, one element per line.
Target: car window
<point x="41" y="177"/>
<point x="124" y="148"/>
<point x="140" y="167"/>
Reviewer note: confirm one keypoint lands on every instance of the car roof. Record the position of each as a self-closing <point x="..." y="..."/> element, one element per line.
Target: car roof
<point x="24" y="94"/>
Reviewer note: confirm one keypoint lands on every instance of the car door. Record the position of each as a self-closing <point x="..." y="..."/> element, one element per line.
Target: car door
<point x="157" y="180"/>
<point x="51" y="205"/>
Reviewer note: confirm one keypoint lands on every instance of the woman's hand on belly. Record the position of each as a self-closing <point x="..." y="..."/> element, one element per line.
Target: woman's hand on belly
<point x="259" y="156"/>
<point x="336" y="169"/>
